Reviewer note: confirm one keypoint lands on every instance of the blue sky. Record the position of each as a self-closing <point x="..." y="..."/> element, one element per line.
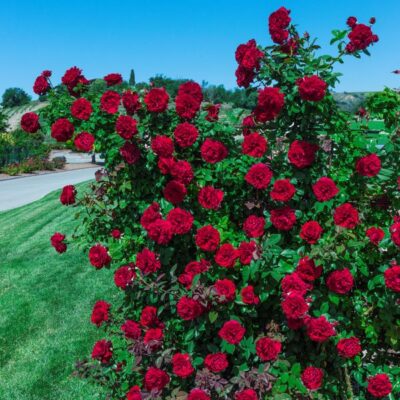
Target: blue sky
<point x="180" y="38"/>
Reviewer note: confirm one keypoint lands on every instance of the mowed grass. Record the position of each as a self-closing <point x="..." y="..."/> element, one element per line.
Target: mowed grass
<point x="45" y="303"/>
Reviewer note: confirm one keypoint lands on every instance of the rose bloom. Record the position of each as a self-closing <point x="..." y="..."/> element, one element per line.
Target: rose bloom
<point x="192" y="89"/>
<point x="225" y="289"/>
<point x="162" y="145"/>
<point x="226" y="256"/>
<point x="268" y="349"/>
<point x="100" y="312"/>
<point x="368" y="166"/>
<point x="213" y="112"/>
<point x="84" y="141"/>
<point x="124" y="275"/>
<point x="349" y="348"/>
<point x="278" y="21"/>
<point x="216" y="362"/>
<point x="346" y="216"/>
<point x="165" y="164"/>
<point x="259" y="176"/>
<point x="340" y="281"/>
<point x="182" y="172"/>
<point x="282" y="190"/>
<point x="312" y="88"/>
<point x="379" y="385"/>
<point x="319" y="329"/>
<point x="149" y="318"/>
<point x="395" y="233"/>
<point x="248" y="55"/>
<point x="161" y="231"/>
<point x="254" y="145"/>
<point x="67" y="196"/>
<point x="253" y="226"/>
<point x="283" y="219"/>
<point x="131" y="329"/>
<point x="116" y="234"/>
<point x="181" y="365"/>
<point x="126" y="126"/>
<point x="153" y="338"/>
<point x="246" y="252"/>
<point x="312" y="378"/>
<point x="130" y="101"/>
<point x="156" y="100"/>
<point x="302" y="154"/>
<point x="246" y="394"/>
<point x="292" y="283"/>
<point x="325" y="189"/>
<point x="57" y="241"/>
<point x="210" y="198"/>
<point x="307" y="270"/>
<point x="62" y="130"/>
<point x="294" y="306"/>
<point x="185" y="134"/>
<point x="232" y="332"/>
<point x="311" y="232"/>
<point x="207" y="238"/>
<point x="150" y="215"/>
<point x="155" y="379"/>
<point x="375" y="235"/>
<point x="186" y="106"/>
<point x="109" y="102"/>
<point x="30" y="122"/>
<point x="213" y="151"/>
<point x="361" y="36"/>
<point x="113" y="79"/>
<point x="98" y="256"/>
<point x="248" y="124"/>
<point x="147" y="261"/>
<point x="269" y="104"/>
<point x="72" y="78"/>
<point x="175" y="192"/>
<point x="130" y="153"/>
<point x="351" y="21"/>
<point x="198" y="394"/>
<point x="181" y="221"/>
<point x="134" y="393"/>
<point x="102" y="351"/>
<point x="189" y="309"/>
<point x="41" y="85"/>
<point x="81" y="109"/>
<point x="392" y="278"/>
<point x="248" y="296"/>
<point x="191" y="270"/>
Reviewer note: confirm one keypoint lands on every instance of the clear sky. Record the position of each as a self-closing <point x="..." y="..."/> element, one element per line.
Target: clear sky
<point x="179" y="38"/>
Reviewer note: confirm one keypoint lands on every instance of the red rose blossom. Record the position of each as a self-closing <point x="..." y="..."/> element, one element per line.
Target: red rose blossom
<point x="198" y="394"/>
<point x="268" y="349"/>
<point x="392" y="278"/>
<point x="57" y="241"/>
<point x="325" y="189"/>
<point x="124" y="275"/>
<point x="282" y="190"/>
<point x="253" y="226"/>
<point x="81" y="109"/>
<point x="312" y="378"/>
<point x="41" y="85"/>
<point x="185" y="134"/>
<point x="307" y="270"/>
<point x="181" y="365"/>
<point x="269" y="104"/>
<point x="346" y="216"/>
<point x="162" y="145"/>
<point x="247" y="252"/>
<point x="283" y="219"/>
<point x="156" y="100"/>
<point x="130" y="101"/>
<point x="147" y="261"/>
<point x="207" y="238"/>
<point x="375" y="235"/>
<point x="213" y="151"/>
<point x="232" y="332"/>
<point x="84" y="141"/>
<point x="102" y="351"/>
<point x="246" y="394"/>
<point x="379" y="385"/>
<point x="134" y="393"/>
<point x="131" y="329"/>
<point x="62" y="130"/>
<point x="181" y="221"/>
<point x="395" y="233"/>
<point x="192" y="89"/>
<point x="189" y="309"/>
<point x="30" y="122"/>
<point x="292" y="283"/>
<point x="248" y="296"/>
<point x="349" y="348"/>
<point x="130" y="153"/>
<point x="153" y="338"/>
<point x="254" y="145"/>
<point x="217" y="362"/>
<point x="361" y="36"/>
<point x="226" y="256"/>
<point x="369" y="165"/>
<point x="186" y="106"/>
<point x="155" y="379"/>
<point x="259" y="176"/>
<point x="319" y="329"/>
<point x="161" y="231"/>
<point x="311" y="232"/>
<point x="225" y="290"/>
<point x="126" y="126"/>
<point x="340" y="281"/>
<point x="109" y="102"/>
<point x="210" y="198"/>
<point x="116" y="234"/>
<point x="150" y="215"/>
<point x="312" y="88"/>
<point x="175" y="192"/>
<point x="182" y="172"/>
<point x="113" y="79"/>
<point x="100" y="312"/>
<point x="302" y="154"/>
<point x="294" y="306"/>
<point x="213" y="112"/>
<point x="149" y="319"/>
<point x="98" y="256"/>
<point x="67" y="196"/>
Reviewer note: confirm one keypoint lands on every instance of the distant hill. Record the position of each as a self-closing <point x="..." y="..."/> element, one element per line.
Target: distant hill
<point x="351" y="101"/>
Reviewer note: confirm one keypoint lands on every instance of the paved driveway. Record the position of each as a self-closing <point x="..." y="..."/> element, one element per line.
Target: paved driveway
<point x="20" y="191"/>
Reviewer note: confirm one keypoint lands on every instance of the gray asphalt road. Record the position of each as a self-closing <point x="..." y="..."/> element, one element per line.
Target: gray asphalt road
<point x="18" y="192"/>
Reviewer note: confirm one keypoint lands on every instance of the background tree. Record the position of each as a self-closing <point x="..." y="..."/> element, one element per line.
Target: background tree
<point x="132" y="80"/>
<point x="13" y="97"/>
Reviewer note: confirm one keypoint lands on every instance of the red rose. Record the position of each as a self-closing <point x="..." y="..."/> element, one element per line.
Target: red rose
<point x="375" y="235"/>
<point x="130" y="153"/>
<point x="307" y="270"/>
<point x="30" y="122"/>
<point x="311" y="232"/>
<point x="294" y="306"/>
<point x="156" y="100"/>
<point x="312" y="378"/>
<point x="150" y="215"/>
<point x="57" y="241"/>
<point x="102" y="351"/>
<point x="346" y="216"/>
<point x="340" y="281"/>
<point x="268" y="349"/>
<point x="163" y="146"/>
<point x="349" y="348"/>
<point x="186" y="106"/>
<point x="153" y="338"/>
<point x="269" y="104"/>
<point x="147" y="261"/>
<point x="72" y="78"/>
<point x="175" y="192"/>
<point x="185" y="134"/>
<point x="292" y="283"/>
<point x="213" y="112"/>
<point x="379" y="385"/>
<point x="198" y="394"/>
<point x="247" y="252"/>
<point x="134" y="393"/>
<point x="192" y="89"/>
<point x="213" y="151"/>
<point x="226" y="256"/>
<point x="126" y="126"/>
<point x="253" y="226"/>
<point x="369" y="165"/>
<point x="113" y="79"/>
<point x="395" y="233"/>
<point x="62" y="130"/>
<point x="181" y="365"/>
<point x="392" y="278"/>
<point x="361" y="36"/>
<point x="67" y="196"/>
<point x="282" y="190"/>
<point x="249" y="56"/>
<point x="283" y="218"/>
<point x="191" y="270"/>
<point x="232" y="332"/>
<point x="210" y="198"/>
<point x="225" y="290"/>
<point x="181" y="221"/>
<point x="278" y="21"/>
<point x="325" y="189"/>
<point x="189" y="309"/>
<point x="131" y="329"/>
<point x="182" y="172"/>
<point x="84" y="141"/>
<point x="124" y="275"/>
<point x="130" y="101"/>
<point x="351" y="21"/>
<point x="155" y="379"/>
<point x="41" y="85"/>
<point x="302" y="154"/>
<point x="259" y="176"/>
<point x="312" y="88"/>
<point x="161" y="231"/>
<point x="319" y="329"/>
<point x="248" y="124"/>
<point x="248" y="295"/>
<point x="81" y="109"/>
<point x="254" y="145"/>
<point x="100" y="312"/>
<point x="246" y="394"/>
<point x="116" y="234"/>
<point x="109" y="102"/>
<point x="216" y="362"/>
<point x="98" y="256"/>
<point x="207" y="238"/>
<point x="149" y="318"/>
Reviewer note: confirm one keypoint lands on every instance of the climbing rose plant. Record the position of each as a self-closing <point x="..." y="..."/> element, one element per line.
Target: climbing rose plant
<point x="254" y="255"/>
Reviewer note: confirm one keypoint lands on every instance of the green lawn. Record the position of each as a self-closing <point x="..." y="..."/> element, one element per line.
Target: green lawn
<point x="45" y="304"/>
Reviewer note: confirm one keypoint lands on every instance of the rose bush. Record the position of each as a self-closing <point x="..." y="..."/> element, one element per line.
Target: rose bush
<point x="254" y="255"/>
